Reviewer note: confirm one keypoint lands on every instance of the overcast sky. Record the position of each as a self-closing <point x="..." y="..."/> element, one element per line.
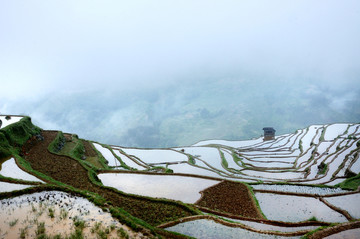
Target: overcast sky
<point x="69" y="49"/>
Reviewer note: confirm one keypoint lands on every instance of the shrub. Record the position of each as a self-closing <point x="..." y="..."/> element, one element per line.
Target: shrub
<point x="40" y="229"/>
<point x="191" y="160"/>
<point x="23" y="232"/>
<point x="18" y="133"/>
<point x="79" y="224"/>
<point x="351" y="183"/>
<point x="51" y="213"/>
<point x="57" y="144"/>
<point x="313" y="219"/>
<point x="322" y="168"/>
<point x="13" y="223"/>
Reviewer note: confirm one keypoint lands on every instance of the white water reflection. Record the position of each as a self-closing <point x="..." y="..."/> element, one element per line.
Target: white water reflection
<point x="185" y="189"/>
<point x="208" y="229"/>
<point x="10" y="169"/>
<point x="295" y="209"/>
<point x="8" y="187"/>
<point x="349" y="203"/>
<point x="58" y="211"/>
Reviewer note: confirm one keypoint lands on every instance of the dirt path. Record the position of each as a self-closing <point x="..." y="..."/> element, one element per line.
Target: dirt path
<point x="71" y="172"/>
<point x="335" y="229"/>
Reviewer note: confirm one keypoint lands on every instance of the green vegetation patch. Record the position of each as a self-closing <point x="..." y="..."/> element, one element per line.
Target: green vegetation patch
<point x="322" y="135"/>
<point x="301" y="147"/>
<point x="4" y="146"/>
<point x="57" y="144"/>
<point x="153" y="211"/>
<point x="13" y="136"/>
<point x="73" y="148"/>
<point x="322" y="168"/>
<point x="238" y="160"/>
<point x="122" y="164"/>
<point x="191" y="160"/>
<point x="307" y="235"/>
<point x="255" y="199"/>
<point x="350" y="183"/>
<point x="223" y="160"/>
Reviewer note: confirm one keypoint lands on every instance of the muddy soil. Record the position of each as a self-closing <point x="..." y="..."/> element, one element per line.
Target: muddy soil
<point x="230" y="197"/>
<point x="71" y="172"/>
<point x="89" y="151"/>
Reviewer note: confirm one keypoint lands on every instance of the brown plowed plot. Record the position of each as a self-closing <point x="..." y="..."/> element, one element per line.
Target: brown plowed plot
<point x="89" y="151"/>
<point x="230" y="197"/>
<point x="71" y="172"/>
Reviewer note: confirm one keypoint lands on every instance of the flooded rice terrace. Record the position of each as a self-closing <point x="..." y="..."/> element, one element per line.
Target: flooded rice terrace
<point x="299" y="189"/>
<point x="9" y="168"/>
<point x="209" y="229"/>
<point x="290" y="208"/>
<point x="8" y="187"/>
<point x="269" y="167"/>
<point x="185" y="189"/>
<point x="56" y="213"/>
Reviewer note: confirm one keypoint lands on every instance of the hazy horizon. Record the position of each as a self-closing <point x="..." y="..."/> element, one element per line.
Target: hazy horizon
<point x="162" y="74"/>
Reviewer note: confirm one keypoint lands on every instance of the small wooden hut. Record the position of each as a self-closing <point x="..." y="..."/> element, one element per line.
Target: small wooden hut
<point x="269" y="133"/>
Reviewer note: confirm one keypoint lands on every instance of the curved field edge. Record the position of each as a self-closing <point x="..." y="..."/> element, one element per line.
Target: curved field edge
<point x="17" y="134"/>
<point x="14" y="137"/>
<point x="230" y="223"/>
<point x="117" y="213"/>
<point x="331" y="229"/>
<point x="148" y="204"/>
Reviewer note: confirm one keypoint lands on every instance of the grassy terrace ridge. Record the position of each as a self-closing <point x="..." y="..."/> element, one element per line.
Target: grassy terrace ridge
<point x="67" y="163"/>
<point x="13" y="136"/>
<point x="152" y="211"/>
<point x="139" y="213"/>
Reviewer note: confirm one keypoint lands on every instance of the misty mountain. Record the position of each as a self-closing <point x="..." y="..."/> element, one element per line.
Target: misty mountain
<point x="185" y="113"/>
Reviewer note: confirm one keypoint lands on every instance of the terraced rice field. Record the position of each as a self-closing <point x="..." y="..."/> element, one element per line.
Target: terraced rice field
<point x="10" y="169"/>
<point x="200" y="189"/>
<point x="185" y="189"/>
<point x="317" y="155"/>
<point x="60" y="213"/>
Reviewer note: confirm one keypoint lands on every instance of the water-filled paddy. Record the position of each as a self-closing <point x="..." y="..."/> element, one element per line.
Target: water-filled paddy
<point x="8" y="187"/>
<point x="307" y="138"/>
<point x="299" y="189"/>
<point x="348" y="234"/>
<point x="107" y="155"/>
<point x="334" y="130"/>
<point x="58" y="211"/>
<point x="323" y="146"/>
<point x="189" y="169"/>
<point x="230" y="160"/>
<point x="349" y="203"/>
<point x="151" y="156"/>
<point x="234" y="144"/>
<point x="185" y="189"/>
<point x="295" y="209"/>
<point x="209" y="155"/>
<point x="334" y="164"/>
<point x="356" y="166"/>
<point x="128" y="161"/>
<point x="335" y="181"/>
<point x="274" y="175"/>
<point x="270" y="165"/>
<point x="268" y="227"/>
<point x="209" y="229"/>
<point x="10" y="169"/>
